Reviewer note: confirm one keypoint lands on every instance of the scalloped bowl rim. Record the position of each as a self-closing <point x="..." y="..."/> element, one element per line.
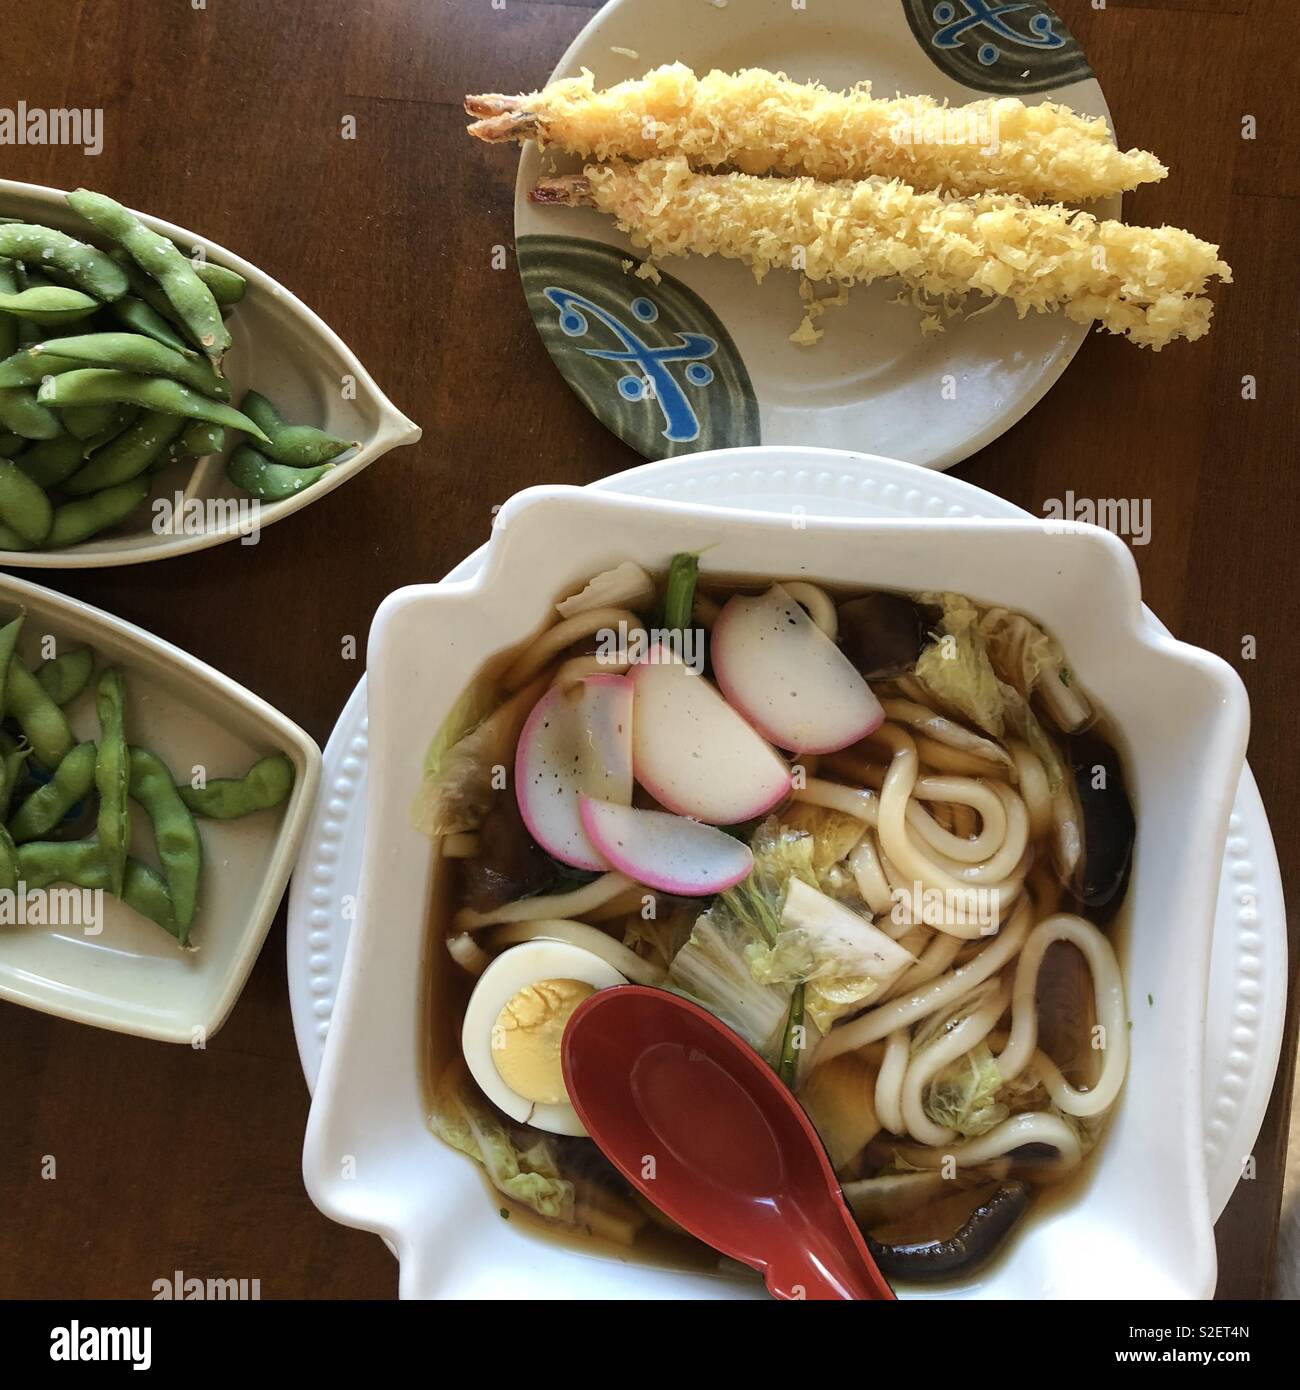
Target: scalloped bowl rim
<point x="426" y="1209"/>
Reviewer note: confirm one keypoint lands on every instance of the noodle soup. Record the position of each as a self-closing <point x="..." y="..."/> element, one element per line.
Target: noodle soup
<point x="881" y="836"/>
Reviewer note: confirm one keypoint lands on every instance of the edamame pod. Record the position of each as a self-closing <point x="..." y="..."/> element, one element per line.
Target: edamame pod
<point x="227" y="285"/>
<point x="78" y="521"/>
<point x="22" y="369"/>
<point x="65" y="676"/>
<point x="11" y="540"/>
<point x="299" y="446"/>
<point x="153" y="253"/>
<point x="8" y="862"/>
<point x="45" y="862"/>
<point x="24" y="507"/>
<point x="135" y="352"/>
<point x="113" y="775"/>
<point x="88" y="420"/>
<point x="11" y="444"/>
<point x="123" y="418"/>
<point x="49" y="304"/>
<point x="22" y="412"/>
<point x="200" y="438"/>
<point x="264" y="785"/>
<point x="127" y="456"/>
<point x="141" y="317"/>
<point x="52" y="460"/>
<point x="73" y="781"/>
<point x="267" y="481"/>
<point x="95" y="385"/>
<point x="87" y="267"/>
<point x="9" y="635"/>
<point x="13" y="772"/>
<point x="38" y="716"/>
<point x="42" y="863"/>
<point x="180" y="851"/>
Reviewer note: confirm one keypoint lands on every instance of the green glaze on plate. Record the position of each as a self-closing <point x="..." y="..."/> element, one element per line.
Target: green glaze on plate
<point x="1009" y="49"/>
<point x="651" y="361"/>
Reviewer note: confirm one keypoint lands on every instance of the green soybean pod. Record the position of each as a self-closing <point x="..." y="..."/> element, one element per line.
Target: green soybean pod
<point x="139" y="316"/>
<point x="11" y="444"/>
<point x="180" y="850"/>
<point x="97" y="385"/>
<point x="299" y="446"/>
<point x="201" y="438"/>
<point x="227" y="286"/>
<point x="13" y="772"/>
<point x="9" y="327"/>
<point x="88" y="268"/>
<point x="267" y="481"/>
<point x="135" y="352"/>
<point x="123" y="418"/>
<point x="73" y="781"/>
<point x="127" y="456"/>
<point x="38" y="716"/>
<point x="113" y="774"/>
<point x="77" y="521"/>
<point x="11" y="540"/>
<point x="65" y="676"/>
<point x="9" y="635"/>
<point x="49" y="462"/>
<point x="49" y="304"/>
<point x="264" y="785"/>
<point x="188" y="295"/>
<point x="88" y="420"/>
<point x="45" y="862"/>
<point x="24" y="507"/>
<point x="8" y="862"/>
<point x="22" y="369"/>
<point x="22" y="412"/>
<point x="144" y="890"/>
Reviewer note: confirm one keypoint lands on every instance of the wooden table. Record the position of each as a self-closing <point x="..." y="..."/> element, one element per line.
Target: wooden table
<point x="228" y="119"/>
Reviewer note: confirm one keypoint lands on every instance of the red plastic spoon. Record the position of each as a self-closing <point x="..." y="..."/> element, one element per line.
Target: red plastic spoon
<point x="698" y="1122"/>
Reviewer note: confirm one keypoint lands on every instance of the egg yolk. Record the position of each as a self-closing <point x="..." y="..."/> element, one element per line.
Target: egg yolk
<point x="527" y="1034"/>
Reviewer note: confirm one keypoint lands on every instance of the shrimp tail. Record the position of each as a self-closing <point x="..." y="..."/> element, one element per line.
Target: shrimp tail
<point x="566" y="190"/>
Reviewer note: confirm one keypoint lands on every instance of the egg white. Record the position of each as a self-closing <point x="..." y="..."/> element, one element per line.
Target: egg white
<point x="526" y="964"/>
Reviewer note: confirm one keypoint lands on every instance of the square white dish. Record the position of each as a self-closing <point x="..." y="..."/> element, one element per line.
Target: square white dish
<point x="132" y="977"/>
<point x="280" y="348"/>
<point x="1140" y="1227"/>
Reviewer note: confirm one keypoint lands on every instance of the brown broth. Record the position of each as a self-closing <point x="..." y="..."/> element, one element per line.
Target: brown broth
<point x="447" y="991"/>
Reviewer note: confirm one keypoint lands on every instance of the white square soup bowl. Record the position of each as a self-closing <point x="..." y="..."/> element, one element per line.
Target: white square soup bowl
<point x="1139" y="1227"/>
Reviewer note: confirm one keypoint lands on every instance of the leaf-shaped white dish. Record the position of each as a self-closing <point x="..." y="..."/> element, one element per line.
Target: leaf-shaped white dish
<point x="131" y="976"/>
<point x="280" y="348"/>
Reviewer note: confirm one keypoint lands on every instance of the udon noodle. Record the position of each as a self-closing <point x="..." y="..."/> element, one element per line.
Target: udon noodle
<point x="981" y="827"/>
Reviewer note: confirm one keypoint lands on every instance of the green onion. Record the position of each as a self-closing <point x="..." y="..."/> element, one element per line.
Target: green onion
<point x="679" y="592"/>
<point x="789" y="1063"/>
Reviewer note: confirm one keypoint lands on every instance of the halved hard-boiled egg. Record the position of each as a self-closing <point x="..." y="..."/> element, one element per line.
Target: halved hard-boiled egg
<point x="515" y="1022"/>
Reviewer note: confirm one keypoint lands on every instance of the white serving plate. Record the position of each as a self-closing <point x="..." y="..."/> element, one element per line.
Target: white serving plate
<point x="1142" y="1226"/>
<point x="132" y="977"/>
<point x="280" y="348"/>
<point x="1246" y="1000"/>
<point x="874" y="382"/>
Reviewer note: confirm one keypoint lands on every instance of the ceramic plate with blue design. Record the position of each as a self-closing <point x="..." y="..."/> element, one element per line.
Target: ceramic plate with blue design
<point x="703" y="358"/>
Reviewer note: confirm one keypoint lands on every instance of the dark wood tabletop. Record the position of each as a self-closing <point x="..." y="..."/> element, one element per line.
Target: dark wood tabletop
<point x="227" y="117"/>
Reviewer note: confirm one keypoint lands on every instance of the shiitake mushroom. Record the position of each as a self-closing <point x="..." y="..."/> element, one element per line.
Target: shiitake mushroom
<point x="882" y="634"/>
<point x="978" y="1239"/>
<point x="1106" y="815"/>
<point x="509" y="865"/>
